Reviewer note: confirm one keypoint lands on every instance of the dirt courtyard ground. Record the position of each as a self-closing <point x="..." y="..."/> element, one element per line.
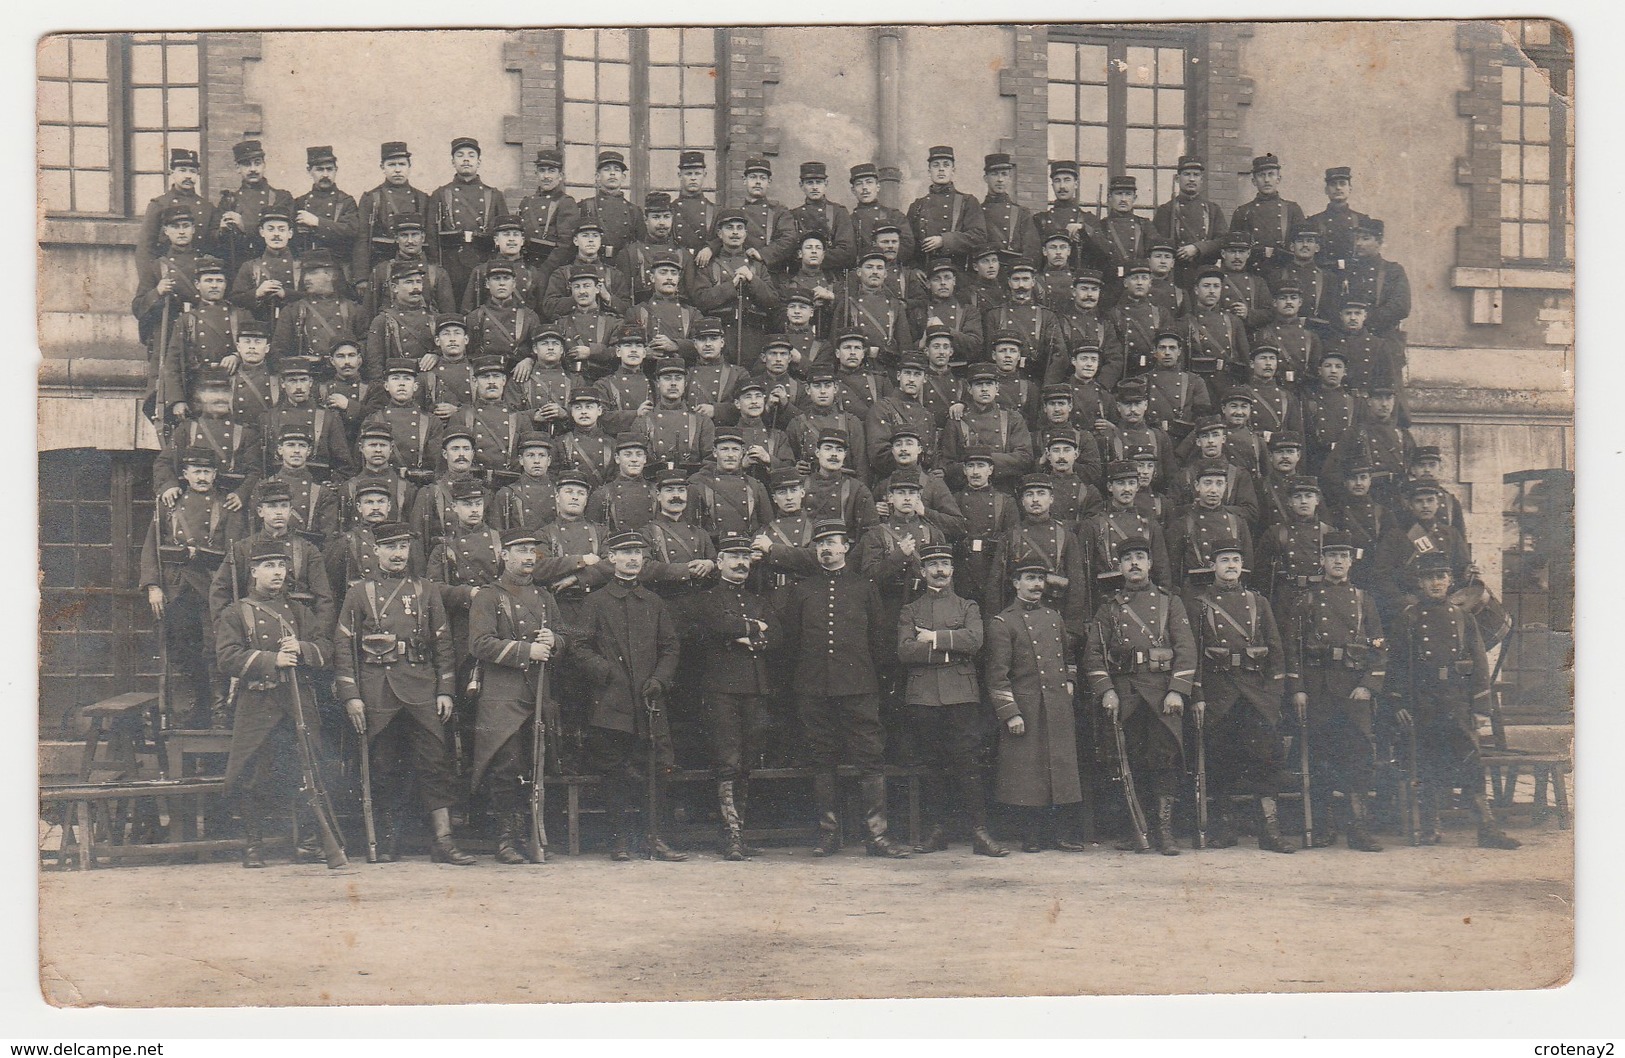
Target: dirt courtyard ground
<point x="790" y="926"/>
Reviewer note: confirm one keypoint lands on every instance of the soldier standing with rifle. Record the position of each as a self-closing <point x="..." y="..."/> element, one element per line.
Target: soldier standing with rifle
<point x="396" y="675"/>
<point x="1238" y="696"/>
<point x="515" y="629"/>
<point x="631" y="651"/>
<point x="1142" y="663"/>
<point x="1334" y="665"/>
<point x="263" y="640"/>
<point x="1438" y="679"/>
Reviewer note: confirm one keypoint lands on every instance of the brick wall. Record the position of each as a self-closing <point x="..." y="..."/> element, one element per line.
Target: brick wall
<point x="228" y="115"/>
<point x="751" y="75"/>
<point x="1478" y="243"/>
<point x="1026" y="80"/>
<point x="1223" y="92"/>
<point x="533" y="54"/>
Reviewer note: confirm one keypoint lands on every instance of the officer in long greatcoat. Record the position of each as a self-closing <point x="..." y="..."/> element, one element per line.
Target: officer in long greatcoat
<point x="263" y="640"/>
<point x="1031" y="679"/>
<point x="397" y="673"/>
<point x="515" y="630"/>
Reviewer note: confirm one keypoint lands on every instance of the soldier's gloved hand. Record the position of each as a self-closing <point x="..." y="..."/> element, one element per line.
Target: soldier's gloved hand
<point x="1173" y="702"/>
<point x="443" y="706"/>
<point x="358" y="714"/>
<point x="1403" y="717"/>
<point x="653" y="688"/>
<point x="169" y="496"/>
<point x="1360" y="694"/>
<point x="1109" y="702"/>
<point x="1016" y="725"/>
<point x="155" y="599"/>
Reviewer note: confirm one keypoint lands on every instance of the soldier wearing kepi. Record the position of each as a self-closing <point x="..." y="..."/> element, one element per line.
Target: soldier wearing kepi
<point x="832" y="619"/>
<point x="1238" y="695"/>
<point x="1438" y="678"/>
<point x="631" y="651"/>
<point x="1334" y="665"/>
<point x="465" y="211"/>
<point x="516" y="630"/>
<point x="737" y="629"/>
<point x="263" y="640"/>
<point x="325" y="217"/>
<point x="1142" y="664"/>
<point x="238" y="218"/>
<point x="380" y="207"/>
<point x="397" y="672"/>
<point x="939" y="636"/>
<point x="1031" y="679"/>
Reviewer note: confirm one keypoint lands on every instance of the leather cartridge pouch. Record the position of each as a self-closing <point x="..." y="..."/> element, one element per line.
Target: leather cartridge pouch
<point x="1160" y="659"/>
<point x="380" y="648"/>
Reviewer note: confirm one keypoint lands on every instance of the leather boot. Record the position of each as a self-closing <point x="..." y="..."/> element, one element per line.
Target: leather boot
<point x="742" y="804"/>
<point x="1325" y="820"/>
<point x="1221" y="831"/>
<point x="1269" y="834"/>
<point x="732" y="825"/>
<point x="253" y="840"/>
<point x="1491" y="836"/>
<point x="874" y="819"/>
<point x="829" y="826"/>
<point x="1359" y="838"/>
<point x="1069" y="828"/>
<point x="220" y="705"/>
<point x="1165" y="825"/>
<point x="935" y="840"/>
<point x="657" y="849"/>
<point x="510" y="840"/>
<point x="309" y="847"/>
<point x="982" y="843"/>
<point x="441" y="849"/>
<point x="1131" y="843"/>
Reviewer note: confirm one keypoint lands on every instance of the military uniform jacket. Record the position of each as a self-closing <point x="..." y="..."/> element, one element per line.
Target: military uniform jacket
<point x="501" y="628"/>
<point x="378" y="209"/>
<point x="1326" y="621"/>
<point x="673" y="545"/>
<point x="1336" y="224"/>
<point x="1216" y="342"/>
<point x="1252" y="293"/>
<point x="250" y="201"/>
<point x="1131" y="334"/>
<point x="835" y="626"/>
<point x="1141" y="645"/>
<point x="891" y="412"/>
<point x="331" y="450"/>
<point x="416" y="433"/>
<point x="237" y="449"/>
<point x="310" y="326"/>
<point x="247" y="636"/>
<point x="526" y="504"/>
<point x="591" y="329"/>
<point x="1191" y="220"/>
<point x="590" y="451"/>
<point x="550" y="220"/>
<point x="203" y="337"/>
<point x="881" y="557"/>
<point x="1055" y="220"/>
<point x="557" y="300"/>
<point x="148" y="305"/>
<point x="394" y="332"/>
<point x="463" y="561"/>
<point x="622" y="503"/>
<point x="496" y="429"/>
<point x="544" y="386"/>
<point x="713" y="383"/>
<point x="1392" y="565"/>
<point x="1039" y="326"/>
<point x="1167" y="295"/>
<point x="1178" y="399"/>
<point x="338" y="222"/>
<point x="958" y="316"/>
<point x="502" y="330"/>
<point x="790" y="552"/>
<point x="946" y="211"/>
<point x="315" y="514"/>
<point x="622" y="221"/>
<point x="676" y="433"/>
<point x="200" y="525"/>
<point x="723" y="615"/>
<point x="729" y="503"/>
<point x="307" y="582"/>
<point x="693" y="218"/>
<point x="866" y="218"/>
<point x="1001" y="429"/>
<point x="1240" y="652"/>
<point x="629" y="638"/>
<point x="840" y="496"/>
<point x="1028" y="663"/>
<point x="1122" y="239"/>
<point x="1105" y="532"/>
<point x="1011" y="227"/>
<point x="1328" y="415"/>
<point x="1289" y="553"/>
<point x="1193" y="530"/>
<point x="152" y="242"/>
<point x="449" y="381"/>
<point x="527" y="293"/>
<point x="439" y="294"/>
<point x="770" y="229"/>
<point x="625" y="391"/>
<point x="805" y="428"/>
<point x="669" y="317"/>
<point x="432" y="517"/>
<point x="420" y="667"/>
<point x="464" y="211"/>
<point x="835" y="222"/>
<point x="1370" y="357"/>
<point x="1366" y="521"/>
<point x="281" y="267"/>
<point x="1269" y="220"/>
<point x="882" y="317"/>
<point x="1437" y="667"/>
<point x="351" y="558"/>
<point x="943" y="671"/>
<point x="861" y="389"/>
<point x="1068" y="590"/>
<point x="1318" y="289"/>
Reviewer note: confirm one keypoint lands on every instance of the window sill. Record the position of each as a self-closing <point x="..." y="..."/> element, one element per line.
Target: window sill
<point x="1552" y="277"/>
<point x="89" y="231"/>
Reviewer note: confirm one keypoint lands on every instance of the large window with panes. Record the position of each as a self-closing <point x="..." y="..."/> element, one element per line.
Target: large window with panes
<point x="1537" y="136"/>
<point x="649" y="93"/>
<point x="1122" y="103"/>
<point x="111" y="107"/>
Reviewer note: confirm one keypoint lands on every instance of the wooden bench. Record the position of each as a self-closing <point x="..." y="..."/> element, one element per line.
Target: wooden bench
<point x="81" y="800"/>
<point x="574" y="784"/>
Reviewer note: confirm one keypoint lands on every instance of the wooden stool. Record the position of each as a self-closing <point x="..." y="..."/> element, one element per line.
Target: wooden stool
<point x="116" y="725"/>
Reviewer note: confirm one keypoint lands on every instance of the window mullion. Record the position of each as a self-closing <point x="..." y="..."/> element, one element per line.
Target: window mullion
<point x="118" y="124"/>
<point x="639" y="51"/>
<point x="1117" y="109"/>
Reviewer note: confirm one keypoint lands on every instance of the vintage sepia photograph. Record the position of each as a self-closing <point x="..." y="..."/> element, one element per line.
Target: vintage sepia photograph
<point x="701" y="513"/>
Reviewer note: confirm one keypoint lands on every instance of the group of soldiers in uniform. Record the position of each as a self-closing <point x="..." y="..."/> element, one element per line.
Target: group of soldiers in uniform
<point x="1081" y="492"/>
